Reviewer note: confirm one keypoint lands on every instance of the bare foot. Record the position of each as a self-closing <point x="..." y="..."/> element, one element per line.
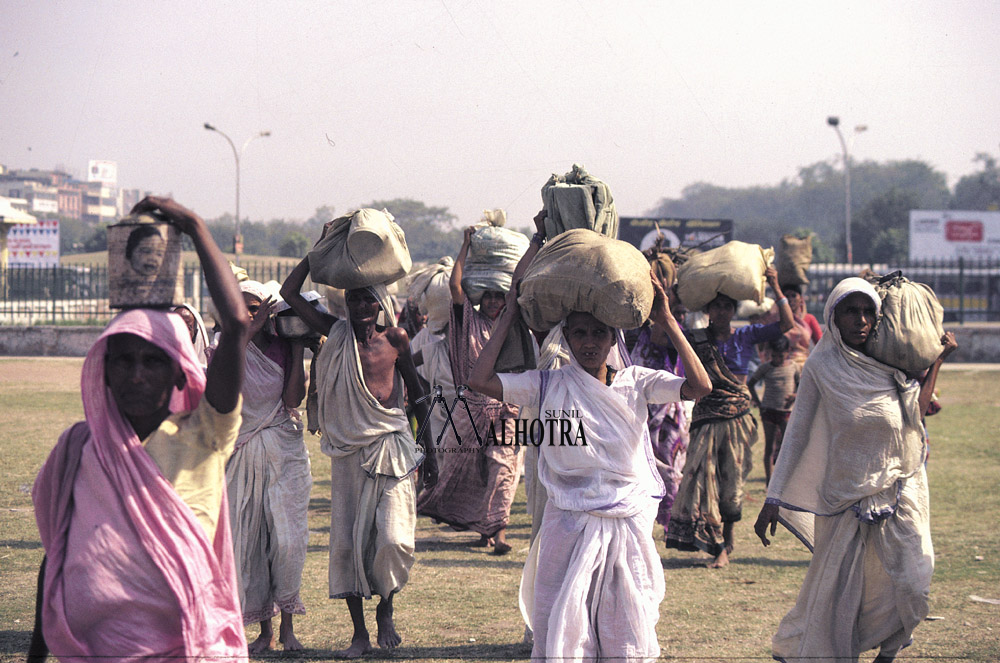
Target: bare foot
<point x="721" y="561"/>
<point x="483" y="542"/>
<point x="387" y="636"/>
<point x="359" y="647"/>
<point x="261" y="644"/>
<point x="729" y="549"/>
<point x="501" y="548"/>
<point x="287" y="638"/>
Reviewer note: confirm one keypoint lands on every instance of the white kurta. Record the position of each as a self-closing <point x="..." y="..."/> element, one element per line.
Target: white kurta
<point x="597" y="584"/>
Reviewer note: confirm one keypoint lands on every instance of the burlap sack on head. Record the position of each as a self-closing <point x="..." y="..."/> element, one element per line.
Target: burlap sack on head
<point x="360" y="249"/>
<point x="582" y="270"/>
<point x="429" y="288"/>
<point x="794" y="257"/>
<point x="663" y="266"/>
<point x="494" y="252"/>
<point x="909" y="330"/>
<point x="578" y="200"/>
<point x="735" y="269"/>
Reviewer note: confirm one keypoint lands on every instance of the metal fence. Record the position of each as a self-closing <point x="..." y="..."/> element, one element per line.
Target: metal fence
<point x="969" y="290"/>
<point x="78" y="294"/>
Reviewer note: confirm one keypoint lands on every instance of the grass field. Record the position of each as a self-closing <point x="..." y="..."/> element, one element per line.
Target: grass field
<point x="461" y="603"/>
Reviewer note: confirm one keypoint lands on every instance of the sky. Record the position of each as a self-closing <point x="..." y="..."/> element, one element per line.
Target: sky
<point x="473" y="104"/>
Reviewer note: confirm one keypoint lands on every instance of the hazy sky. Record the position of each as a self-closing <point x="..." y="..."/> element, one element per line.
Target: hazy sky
<point x="473" y="104"/>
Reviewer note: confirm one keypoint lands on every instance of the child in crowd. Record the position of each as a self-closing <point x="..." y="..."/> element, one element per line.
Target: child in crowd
<point x="780" y="377"/>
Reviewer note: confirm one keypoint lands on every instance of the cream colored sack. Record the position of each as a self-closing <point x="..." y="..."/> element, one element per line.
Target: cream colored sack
<point x="735" y="269"/>
<point x="794" y="257"/>
<point x="582" y="270"/>
<point x="360" y="249"/>
<point x="429" y="288"/>
<point x="909" y="330"/>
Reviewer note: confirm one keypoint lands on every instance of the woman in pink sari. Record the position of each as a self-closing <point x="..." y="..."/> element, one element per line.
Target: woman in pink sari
<point x="131" y="504"/>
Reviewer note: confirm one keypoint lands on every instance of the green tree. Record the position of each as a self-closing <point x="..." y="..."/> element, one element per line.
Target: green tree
<point x="295" y="245"/>
<point x="881" y="230"/>
<point x="429" y="230"/>
<point x="979" y="191"/>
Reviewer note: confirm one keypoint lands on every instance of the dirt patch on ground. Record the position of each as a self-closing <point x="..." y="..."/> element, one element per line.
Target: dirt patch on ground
<point x="59" y="373"/>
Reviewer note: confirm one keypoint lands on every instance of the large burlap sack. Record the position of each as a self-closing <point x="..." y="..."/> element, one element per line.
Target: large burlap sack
<point x="494" y="252"/>
<point x="794" y="257"/>
<point x="735" y="269"/>
<point x="578" y="200"/>
<point x="909" y="330"/>
<point x="582" y="270"/>
<point x="360" y="249"/>
<point x="429" y="288"/>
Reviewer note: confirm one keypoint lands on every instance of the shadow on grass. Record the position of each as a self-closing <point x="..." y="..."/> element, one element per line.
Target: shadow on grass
<point x="512" y="652"/>
<point x="21" y="544"/>
<point x="482" y="561"/>
<point x="446" y="545"/>
<point x="14" y="642"/>
<point x="694" y="562"/>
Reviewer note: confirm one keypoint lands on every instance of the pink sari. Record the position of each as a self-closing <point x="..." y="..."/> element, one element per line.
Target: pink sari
<point x="152" y="584"/>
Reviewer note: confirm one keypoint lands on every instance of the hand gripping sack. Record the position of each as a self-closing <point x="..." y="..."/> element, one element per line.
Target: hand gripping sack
<point x="578" y="200"/>
<point x="794" y="258"/>
<point x="429" y="288"/>
<point x="582" y="270"/>
<point x="360" y="249"/>
<point x="735" y="269"/>
<point x="910" y="327"/>
<point x="493" y="254"/>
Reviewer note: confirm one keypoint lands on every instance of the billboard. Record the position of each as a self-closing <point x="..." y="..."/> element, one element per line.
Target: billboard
<point x="950" y="234"/>
<point x="34" y="245"/>
<point x="105" y="172"/>
<point x="641" y="232"/>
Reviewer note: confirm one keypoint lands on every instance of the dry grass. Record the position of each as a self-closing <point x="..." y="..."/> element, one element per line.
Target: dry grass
<point x="461" y="603"/>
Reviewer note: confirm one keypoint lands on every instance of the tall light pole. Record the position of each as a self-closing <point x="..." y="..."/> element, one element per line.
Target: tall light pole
<point x="237" y="240"/>
<point x="834" y="122"/>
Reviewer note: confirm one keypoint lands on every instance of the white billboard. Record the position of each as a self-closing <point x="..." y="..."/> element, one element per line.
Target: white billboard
<point x="103" y="171"/>
<point x="949" y="234"/>
<point x="34" y="245"/>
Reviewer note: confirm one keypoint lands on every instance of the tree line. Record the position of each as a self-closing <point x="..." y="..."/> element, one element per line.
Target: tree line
<point x="883" y="193"/>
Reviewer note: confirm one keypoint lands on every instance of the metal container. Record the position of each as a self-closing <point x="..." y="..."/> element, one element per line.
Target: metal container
<point x="288" y="325"/>
<point x="144" y="263"/>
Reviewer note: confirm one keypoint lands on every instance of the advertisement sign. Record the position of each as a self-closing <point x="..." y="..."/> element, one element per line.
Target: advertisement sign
<point x="34" y="245"/>
<point x="950" y="234"/>
<point x="105" y="172"/>
<point x="642" y="232"/>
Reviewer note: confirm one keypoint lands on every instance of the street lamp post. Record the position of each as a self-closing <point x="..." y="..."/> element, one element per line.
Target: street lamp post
<point x="237" y="241"/>
<point x="834" y="122"/>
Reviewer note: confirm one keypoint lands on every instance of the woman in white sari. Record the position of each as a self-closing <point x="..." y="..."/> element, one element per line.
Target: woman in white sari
<point x="851" y="484"/>
<point x="269" y="479"/>
<point x="596" y="588"/>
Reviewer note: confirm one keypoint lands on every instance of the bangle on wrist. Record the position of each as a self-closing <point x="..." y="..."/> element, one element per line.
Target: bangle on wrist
<point x="783" y="299"/>
<point x="538" y="237"/>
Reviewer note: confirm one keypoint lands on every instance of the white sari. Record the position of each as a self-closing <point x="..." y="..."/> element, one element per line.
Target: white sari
<point x="593" y="582"/>
<point x="269" y="480"/>
<point x="850" y="482"/>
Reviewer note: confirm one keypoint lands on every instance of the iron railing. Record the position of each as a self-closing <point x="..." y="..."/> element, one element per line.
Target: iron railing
<point x="969" y="290"/>
<point x="78" y="294"/>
